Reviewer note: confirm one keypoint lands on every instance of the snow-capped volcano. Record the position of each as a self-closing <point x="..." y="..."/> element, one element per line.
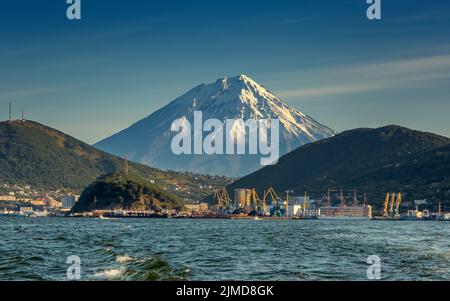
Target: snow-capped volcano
<point x="149" y="140"/>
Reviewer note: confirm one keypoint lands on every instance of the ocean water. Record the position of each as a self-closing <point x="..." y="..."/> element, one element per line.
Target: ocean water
<point x="175" y="249"/>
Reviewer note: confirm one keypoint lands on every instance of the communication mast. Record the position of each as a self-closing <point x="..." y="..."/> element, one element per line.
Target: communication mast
<point x="355" y="198"/>
<point x="329" y="198"/>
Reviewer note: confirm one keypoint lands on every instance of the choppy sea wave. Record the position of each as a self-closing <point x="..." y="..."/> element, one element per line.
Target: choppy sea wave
<point x="149" y="250"/>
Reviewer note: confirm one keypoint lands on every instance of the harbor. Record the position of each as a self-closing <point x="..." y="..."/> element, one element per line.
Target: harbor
<point x="334" y="204"/>
<point x="248" y="205"/>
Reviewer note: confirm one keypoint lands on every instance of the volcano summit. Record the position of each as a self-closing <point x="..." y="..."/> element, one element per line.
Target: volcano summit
<point x="149" y="140"/>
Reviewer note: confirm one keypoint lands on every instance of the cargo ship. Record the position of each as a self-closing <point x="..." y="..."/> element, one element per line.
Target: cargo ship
<point x="109" y="215"/>
<point x="306" y="217"/>
<point x="363" y="212"/>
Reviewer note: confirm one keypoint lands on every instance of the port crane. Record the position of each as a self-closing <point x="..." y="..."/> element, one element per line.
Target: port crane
<point x="271" y="192"/>
<point x="391" y="208"/>
<point x="277" y="210"/>
<point x="397" y="207"/>
<point x="385" y="207"/>
<point x="287" y="201"/>
<point x="305" y="206"/>
<point x="258" y="204"/>
<point x="222" y="198"/>
<point x="305" y="203"/>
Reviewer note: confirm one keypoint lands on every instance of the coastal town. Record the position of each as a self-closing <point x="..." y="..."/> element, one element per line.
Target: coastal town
<point x="26" y="201"/>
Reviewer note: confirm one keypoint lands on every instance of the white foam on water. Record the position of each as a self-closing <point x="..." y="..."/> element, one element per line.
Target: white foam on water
<point x="123" y="258"/>
<point x="110" y="274"/>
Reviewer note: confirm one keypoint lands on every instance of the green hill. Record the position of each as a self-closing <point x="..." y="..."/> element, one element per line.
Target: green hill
<point x="375" y="161"/>
<point x="34" y="154"/>
<point x="121" y="192"/>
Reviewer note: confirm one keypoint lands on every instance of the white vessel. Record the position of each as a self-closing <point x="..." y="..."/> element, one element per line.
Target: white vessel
<point x="363" y="212"/>
<point x="40" y="213"/>
<point x="324" y="217"/>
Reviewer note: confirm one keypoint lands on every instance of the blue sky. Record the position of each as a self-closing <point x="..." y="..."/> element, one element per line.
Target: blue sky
<point x="125" y="59"/>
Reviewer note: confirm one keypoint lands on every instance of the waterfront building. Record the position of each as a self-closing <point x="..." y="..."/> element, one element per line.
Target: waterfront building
<point x="294" y="209"/>
<point x="7" y="198"/>
<point x="417" y="214"/>
<point x="24" y="200"/>
<point x="68" y="201"/>
<point x="200" y="207"/>
<point x="38" y="202"/>
<point x="242" y="198"/>
<point x="299" y="199"/>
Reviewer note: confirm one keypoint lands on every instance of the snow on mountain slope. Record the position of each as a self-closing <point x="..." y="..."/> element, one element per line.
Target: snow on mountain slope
<point x="148" y="141"/>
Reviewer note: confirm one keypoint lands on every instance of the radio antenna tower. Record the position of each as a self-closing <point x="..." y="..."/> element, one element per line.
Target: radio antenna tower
<point x="355" y="198"/>
<point x="10" y="111"/>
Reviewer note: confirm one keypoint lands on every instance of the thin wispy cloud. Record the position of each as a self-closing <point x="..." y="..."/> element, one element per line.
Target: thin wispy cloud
<point x="352" y="79"/>
<point x="326" y="91"/>
<point x="32" y="92"/>
<point x="422" y="17"/>
<point x="19" y="51"/>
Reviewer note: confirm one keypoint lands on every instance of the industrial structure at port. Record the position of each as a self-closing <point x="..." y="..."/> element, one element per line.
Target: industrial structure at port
<point x="335" y="204"/>
<point x="247" y="203"/>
